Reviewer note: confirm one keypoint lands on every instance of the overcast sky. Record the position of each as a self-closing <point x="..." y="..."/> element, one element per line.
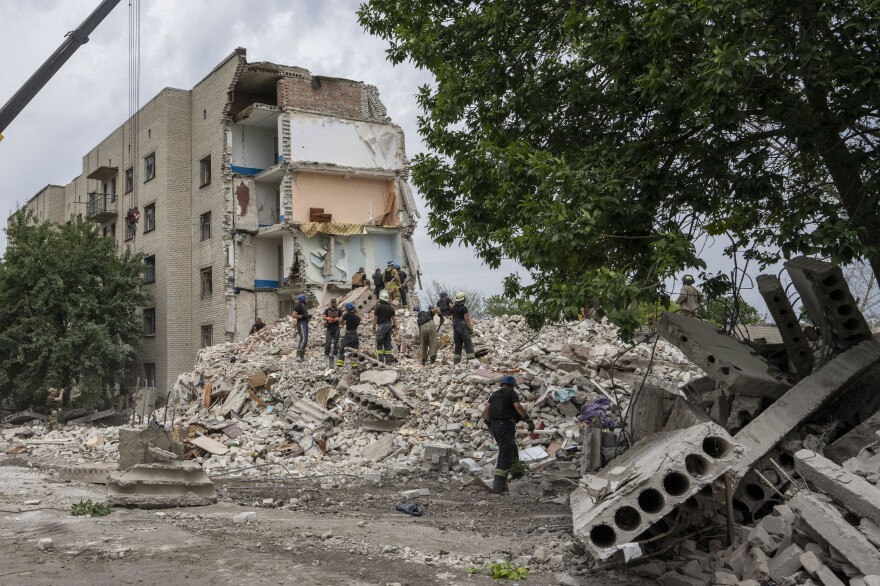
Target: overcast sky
<point x="181" y="41"/>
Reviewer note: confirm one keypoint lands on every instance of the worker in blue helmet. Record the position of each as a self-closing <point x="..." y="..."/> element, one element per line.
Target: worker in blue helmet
<point x="502" y="412"/>
<point x="391" y="279"/>
<point x="301" y="315"/>
<point x="404" y="285"/>
<point x="429" y="327"/>
<point x="351" y="320"/>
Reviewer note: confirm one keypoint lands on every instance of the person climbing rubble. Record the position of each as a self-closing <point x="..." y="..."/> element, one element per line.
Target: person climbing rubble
<point x="428" y="328"/>
<point x="391" y="279"/>
<point x="52" y="402"/>
<point x="501" y="413"/>
<point x="258" y="325"/>
<point x="378" y="281"/>
<point x="332" y="318"/>
<point x="384" y="322"/>
<point x="690" y="298"/>
<point x="352" y="320"/>
<point x="404" y="284"/>
<point x="462" y="330"/>
<point x="301" y="315"/>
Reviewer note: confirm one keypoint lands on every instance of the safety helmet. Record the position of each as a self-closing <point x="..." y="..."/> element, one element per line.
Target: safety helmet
<point x="417" y="309"/>
<point x="459" y="296"/>
<point x="397" y="266"/>
<point x="443" y="294"/>
<point x="383" y="295"/>
<point x="390" y="263"/>
<point x="688" y="279"/>
<point x="430" y="307"/>
<point x="508" y="380"/>
<point x="349" y="306"/>
<point x="302" y="297"/>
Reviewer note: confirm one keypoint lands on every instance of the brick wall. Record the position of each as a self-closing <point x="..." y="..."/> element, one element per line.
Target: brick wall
<point x="335" y="97"/>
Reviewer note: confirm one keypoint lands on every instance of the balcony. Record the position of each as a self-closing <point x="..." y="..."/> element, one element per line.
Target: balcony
<point x="101" y="207"/>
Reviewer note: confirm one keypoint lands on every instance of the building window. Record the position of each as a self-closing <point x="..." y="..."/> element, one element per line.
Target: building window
<point x="130" y="230"/>
<point x="149" y="218"/>
<point x="150" y="269"/>
<point x="149" y="167"/>
<point x="206" y="225"/>
<point x="150" y="321"/>
<point x="129" y="180"/>
<point x="207" y="283"/>
<point x="207" y="336"/>
<point x="113" y="189"/>
<point x="205" y="167"/>
<point x="285" y="307"/>
<point x="149" y="374"/>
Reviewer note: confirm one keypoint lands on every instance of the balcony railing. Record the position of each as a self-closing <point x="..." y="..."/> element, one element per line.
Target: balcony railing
<point x="101" y="206"/>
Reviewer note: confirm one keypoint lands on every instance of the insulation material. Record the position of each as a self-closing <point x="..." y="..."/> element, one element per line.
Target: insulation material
<point x="312" y="228"/>
<point x="345" y="143"/>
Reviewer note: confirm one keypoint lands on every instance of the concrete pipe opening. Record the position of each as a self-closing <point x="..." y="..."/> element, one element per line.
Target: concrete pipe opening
<point x="603" y="536"/>
<point x="845" y="309"/>
<point x="676" y="483"/>
<point x="627" y="519"/>
<point x="837" y="295"/>
<point x="715" y="447"/>
<point x="754" y="492"/>
<point x="696" y="465"/>
<point x="651" y="501"/>
<point x="830" y="281"/>
<point x="851" y="324"/>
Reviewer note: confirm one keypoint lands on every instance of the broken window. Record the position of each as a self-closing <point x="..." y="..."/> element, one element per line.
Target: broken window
<point x="205" y="223"/>
<point x="207" y="336"/>
<point x="149" y="374"/>
<point x="149" y="167"/>
<point x="150" y="269"/>
<point x="207" y="282"/>
<point x="130" y="230"/>
<point x="150" y="321"/>
<point x="129" y="180"/>
<point x="205" y="170"/>
<point x="149" y="218"/>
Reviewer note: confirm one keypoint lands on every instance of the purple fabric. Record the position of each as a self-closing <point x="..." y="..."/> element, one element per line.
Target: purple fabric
<point x="598" y="408"/>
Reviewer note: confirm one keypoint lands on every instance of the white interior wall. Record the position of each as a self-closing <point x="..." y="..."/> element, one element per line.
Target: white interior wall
<point x="266" y="256"/>
<point x="253" y="147"/>
<point x="343" y="142"/>
<point x="268" y="204"/>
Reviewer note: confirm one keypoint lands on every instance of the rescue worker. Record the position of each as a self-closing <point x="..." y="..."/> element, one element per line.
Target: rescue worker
<point x="391" y="278"/>
<point x="359" y="279"/>
<point x="378" y="281"/>
<point x="52" y="402"/>
<point x="384" y="322"/>
<point x="428" y="329"/>
<point x="444" y="304"/>
<point x="462" y="329"/>
<point x="690" y="298"/>
<point x="404" y="283"/>
<point x="350" y="340"/>
<point x="332" y="317"/>
<point x="502" y="412"/>
<point x="301" y="315"/>
<point x="258" y="325"/>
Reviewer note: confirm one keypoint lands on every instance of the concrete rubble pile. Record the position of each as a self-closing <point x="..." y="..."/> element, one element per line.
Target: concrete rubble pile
<point x="786" y="490"/>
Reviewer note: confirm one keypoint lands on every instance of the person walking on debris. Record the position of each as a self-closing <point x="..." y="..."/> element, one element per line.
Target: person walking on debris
<point x="350" y="340"/>
<point x="52" y="402"/>
<point x="404" y="283"/>
<point x="301" y="315"/>
<point x="378" y="281"/>
<point x="428" y="329"/>
<point x="359" y="279"/>
<point x="332" y="317"/>
<point x="462" y="329"/>
<point x="384" y="322"/>
<point x="258" y="325"/>
<point x="444" y="304"/>
<point x="690" y="298"/>
<point x="391" y="278"/>
<point x="502" y="412"/>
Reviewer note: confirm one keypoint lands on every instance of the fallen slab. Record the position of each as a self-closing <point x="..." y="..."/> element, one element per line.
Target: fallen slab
<point x="97" y="416"/>
<point x="634" y="491"/>
<point x="826" y="524"/>
<point x="732" y="364"/>
<point x="23" y="417"/>
<point x="92" y="473"/>
<point x="135" y="444"/>
<point x="852" y="491"/>
<point x="850" y="444"/>
<point x="801" y="401"/>
<point x="167" y="484"/>
<point x="787" y="323"/>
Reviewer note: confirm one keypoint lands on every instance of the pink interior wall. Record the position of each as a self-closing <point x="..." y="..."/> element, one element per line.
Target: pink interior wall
<point x="351" y="201"/>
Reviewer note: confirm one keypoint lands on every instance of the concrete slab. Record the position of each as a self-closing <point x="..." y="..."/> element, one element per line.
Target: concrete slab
<point x="169" y="484"/>
<point x="23" y="417"/>
<point x="379" y="449"/>
<point x="134" y="445"/>
<point x="849" y="445"/>
<point x="734" y="365"/>
<point x="380" y="377"/>
<point x="796" y="345"/>
<point x="852" y="491"/>
<point x="801" y="401"/>
<point x="93" y="473"/>
<point x="648" y="411"/>
<point x="829" y="526"/>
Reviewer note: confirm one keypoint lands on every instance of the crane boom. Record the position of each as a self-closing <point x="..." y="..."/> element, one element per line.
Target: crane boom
<point x="50" y="67"/>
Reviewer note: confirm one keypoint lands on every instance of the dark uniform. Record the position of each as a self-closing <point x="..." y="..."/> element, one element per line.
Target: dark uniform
<point x="302" y="329"/>
<point x="503" y="417"/>
<point x="403" y="277"/>
<point x="461" y="334"/>
<point x="350" y="339"/>
<point x="331" y="338"/>
<point x="384" y="328"/>
<point x="378" y="282"/>
<point x="445" y="305"/>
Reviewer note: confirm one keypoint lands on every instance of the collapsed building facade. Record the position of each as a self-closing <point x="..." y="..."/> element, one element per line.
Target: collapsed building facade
<point x="261" y="182"/>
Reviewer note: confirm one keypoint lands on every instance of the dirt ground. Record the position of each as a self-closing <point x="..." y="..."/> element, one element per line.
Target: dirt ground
<point x="338" y="531"/>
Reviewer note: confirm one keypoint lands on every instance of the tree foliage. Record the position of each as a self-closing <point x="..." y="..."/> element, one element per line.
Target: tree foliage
<point x="596" y="142"/>
<point x="474" y="298"/>
<point x="68" y="305"/>
<point x="498" y="305"/>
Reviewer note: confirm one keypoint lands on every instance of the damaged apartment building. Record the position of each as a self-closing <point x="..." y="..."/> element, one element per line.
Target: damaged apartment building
<point x="261" y="182"/>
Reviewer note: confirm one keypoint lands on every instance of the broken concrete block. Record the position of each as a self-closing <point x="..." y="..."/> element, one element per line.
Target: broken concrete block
<point x="785" y="563"/>
<point x="649" y="410"/>
<point x="872" y="580"/>
<point x="244" y="517"/>
<point x="169" y="484"/>
<point x="415" y="493"/>
<point x="438" y="457"/>
<point x="374" y="477"/>
<point x="676" y="579"/>
<point x="379" y="449"/>
<point x="827" y="298"/>
<point x="758" y="537"/>
<point x="796" y="345"/>
<point x="45" y="543"/>
<point x="818" y="570"/>
<point x="646" y="483"/>
<point x="850" y="444"/>
<point x="826" y="523"/>
<point x="94" y="473"/>
<point x="731" y="363"/>
<point x="852" y="491"/>
<point x="800" y="402"/>
<point x="135" y="444"/>
<point x="724" y="579"/>
<point x="380" y="378"/>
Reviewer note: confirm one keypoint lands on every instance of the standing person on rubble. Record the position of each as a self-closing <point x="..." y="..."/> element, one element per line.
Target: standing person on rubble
<point x="462" y="330"/>
<point x="444" y="304"/>
<point x="378" y="281"/>
<point x="404" y="283"/>
<point x="52" y="402"/>
<point x="301" y="315"/>
<point x="350" y="340"/>
<point x="501" y="413"/>
<point x="391" y="278"/>
<point x="384" y="322"/>
<point x="428" y="329"/>
<point x="690" y="298"/>
<point x="332" y="318"/>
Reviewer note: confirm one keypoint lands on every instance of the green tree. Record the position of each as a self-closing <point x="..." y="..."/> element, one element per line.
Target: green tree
<point x="596" y="142"/>
<point x="722" y="311"/>
<point x="68" y="305"/>
<point x="498" y="305"/>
